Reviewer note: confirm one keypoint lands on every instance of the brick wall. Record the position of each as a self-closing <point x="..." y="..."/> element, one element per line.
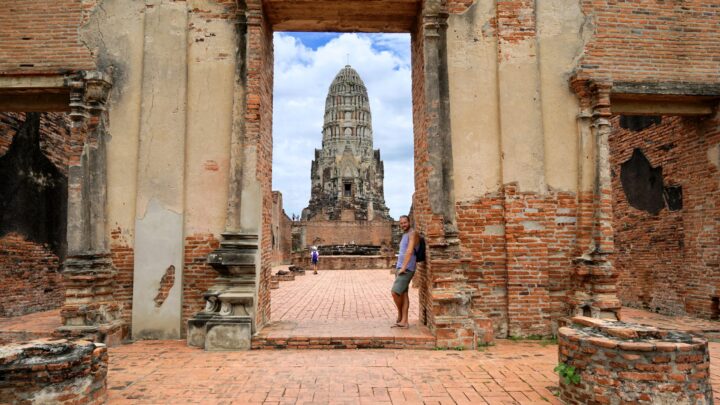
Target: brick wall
<point x="30" y="271"/>
<point x="198" y="276"/>
<point x="54" y="135"/>
<point x="258" y="134"/>
<point x="30" y="277"/>
<point x="669" y="262"/>
<point x="653" y="40"/>
<point x="319" y="232"/>
<point x="123" y="258"/>
<point x="519" y="249"/>
<point x="41" y="36"/>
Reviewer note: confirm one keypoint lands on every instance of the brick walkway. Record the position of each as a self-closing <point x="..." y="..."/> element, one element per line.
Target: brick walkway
<point x="340" y="309"/>
<point x="339" y="295"/>
<point x="152" y="372"/>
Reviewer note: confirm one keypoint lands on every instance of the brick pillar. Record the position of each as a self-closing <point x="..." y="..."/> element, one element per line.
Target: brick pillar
<point x="595" y="292"/>
<point x="447" y="306"/>
<point x="90" y="309"/>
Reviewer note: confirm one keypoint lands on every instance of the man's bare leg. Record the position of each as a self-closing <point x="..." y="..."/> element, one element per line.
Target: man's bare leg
<point x="405" y="308"/>
<point x="398" y="298"/>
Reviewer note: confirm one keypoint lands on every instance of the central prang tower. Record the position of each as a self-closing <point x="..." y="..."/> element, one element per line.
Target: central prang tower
<point x="347" y="173"/>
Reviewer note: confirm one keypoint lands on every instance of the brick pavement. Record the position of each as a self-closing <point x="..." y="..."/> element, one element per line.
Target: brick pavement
<point x="340" y="309"/>
<point x="154" y="372"/>
<point x="338" y="295"/>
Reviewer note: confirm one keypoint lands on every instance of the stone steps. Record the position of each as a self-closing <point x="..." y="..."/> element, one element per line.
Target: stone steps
<point x="358" y="342"/>
<point x="342" y="334"/>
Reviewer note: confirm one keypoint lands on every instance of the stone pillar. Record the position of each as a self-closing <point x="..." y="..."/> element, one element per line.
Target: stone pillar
<point x="231" y="305"/>
<point x="89" y="311"/>
<point x="595" y="292"/>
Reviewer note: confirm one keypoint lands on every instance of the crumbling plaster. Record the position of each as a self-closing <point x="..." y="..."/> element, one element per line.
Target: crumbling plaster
<point x="517" y="123"/>
<point x="171" y="121"/>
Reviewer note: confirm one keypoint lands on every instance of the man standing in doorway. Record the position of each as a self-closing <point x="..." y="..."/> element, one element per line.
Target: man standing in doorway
<point x="405" y="270"/>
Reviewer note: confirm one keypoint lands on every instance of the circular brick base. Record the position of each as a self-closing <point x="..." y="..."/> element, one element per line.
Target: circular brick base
<point x="622" y="363"/>
<point x="53" y="372"/>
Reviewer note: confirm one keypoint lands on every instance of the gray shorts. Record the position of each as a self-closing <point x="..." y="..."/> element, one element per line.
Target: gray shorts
<point x="402" y="281"/>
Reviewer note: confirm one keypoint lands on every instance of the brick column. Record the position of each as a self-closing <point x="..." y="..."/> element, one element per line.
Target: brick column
<point x="595" y="292"/>
<point x="447" y="305"/>
<point x="90" y="309"/>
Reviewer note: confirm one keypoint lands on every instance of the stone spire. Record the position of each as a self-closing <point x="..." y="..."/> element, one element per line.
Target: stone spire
<point x="347" y="174"/>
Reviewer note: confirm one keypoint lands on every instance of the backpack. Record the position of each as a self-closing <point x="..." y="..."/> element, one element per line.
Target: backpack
<point x="314" y="255"/>
<point x="420" y="250"/>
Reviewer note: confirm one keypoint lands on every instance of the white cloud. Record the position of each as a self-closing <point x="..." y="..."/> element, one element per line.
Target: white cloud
<point x="302" y="77"/>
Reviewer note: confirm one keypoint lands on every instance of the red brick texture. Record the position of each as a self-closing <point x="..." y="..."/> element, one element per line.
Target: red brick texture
<point x="519" y="249"/>
<point x="41" y="36"/>
<point x="652" y="40"/>
<point x="58" y="372"/>
<point x="639" y="365"/>
<point x="258" y="135"/>
<point x="30" y="271"/>
<point x="321" y="232"/>
<point x="30" y="277"/>
<point x="198" y="276"/>
<point x="54" y="136"/>
<point x="669" y="262"/>
<point x="281" y="232"/>
<point x="123" y="259"/>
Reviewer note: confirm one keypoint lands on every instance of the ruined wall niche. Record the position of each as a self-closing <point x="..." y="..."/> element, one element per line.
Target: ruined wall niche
<point x="642" y="183"/>
<point x="33" y="188"/>
<point x="33" y="210"/>
<point x="666" y="259"/>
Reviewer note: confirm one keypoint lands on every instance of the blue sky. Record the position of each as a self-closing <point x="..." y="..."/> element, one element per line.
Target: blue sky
<point x="305" y="65"/>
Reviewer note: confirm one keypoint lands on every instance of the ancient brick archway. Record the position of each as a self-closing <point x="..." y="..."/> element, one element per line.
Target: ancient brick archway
<point x="250" y="200"/>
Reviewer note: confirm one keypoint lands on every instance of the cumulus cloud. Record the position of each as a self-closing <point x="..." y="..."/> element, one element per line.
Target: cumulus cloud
<point x="305" y="65"/>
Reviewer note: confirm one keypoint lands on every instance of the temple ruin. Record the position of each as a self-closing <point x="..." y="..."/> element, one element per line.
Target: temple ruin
<point x="541" y="190"/>
<point x="346" y="215"/>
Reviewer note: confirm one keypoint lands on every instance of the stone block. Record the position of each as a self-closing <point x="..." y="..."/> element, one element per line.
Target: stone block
<point x="228" y="334"/>
<point x="196" y="330"/>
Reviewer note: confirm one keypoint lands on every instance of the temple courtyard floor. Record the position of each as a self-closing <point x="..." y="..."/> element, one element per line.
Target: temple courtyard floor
<point x="340" y="309"/>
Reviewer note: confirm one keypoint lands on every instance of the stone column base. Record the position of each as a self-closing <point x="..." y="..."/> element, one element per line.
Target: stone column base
<point x="220" y="333"/>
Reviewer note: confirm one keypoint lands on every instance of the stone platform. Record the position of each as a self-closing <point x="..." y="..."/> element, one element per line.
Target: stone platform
<point x="342" y="334"/>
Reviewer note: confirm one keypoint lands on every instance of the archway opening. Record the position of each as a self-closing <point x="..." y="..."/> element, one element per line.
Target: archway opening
<point x="376" y="17"/>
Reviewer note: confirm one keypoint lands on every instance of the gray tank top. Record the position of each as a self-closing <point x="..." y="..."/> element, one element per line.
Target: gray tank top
<point x="401" y="255"/>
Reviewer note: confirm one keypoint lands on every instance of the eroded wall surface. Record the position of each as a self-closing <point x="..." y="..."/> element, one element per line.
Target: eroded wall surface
<point x="667" y="253"/>
<point x="171" y="117"/>
<point x="522" y="167"/>
<point x="34" y="150"/>
<point x="515" y="155"/>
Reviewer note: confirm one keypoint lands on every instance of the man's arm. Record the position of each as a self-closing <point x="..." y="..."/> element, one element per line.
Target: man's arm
<point x="410" y="249"/>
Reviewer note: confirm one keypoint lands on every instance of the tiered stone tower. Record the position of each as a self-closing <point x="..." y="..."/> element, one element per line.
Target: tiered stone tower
<point x="347" y="174"/>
